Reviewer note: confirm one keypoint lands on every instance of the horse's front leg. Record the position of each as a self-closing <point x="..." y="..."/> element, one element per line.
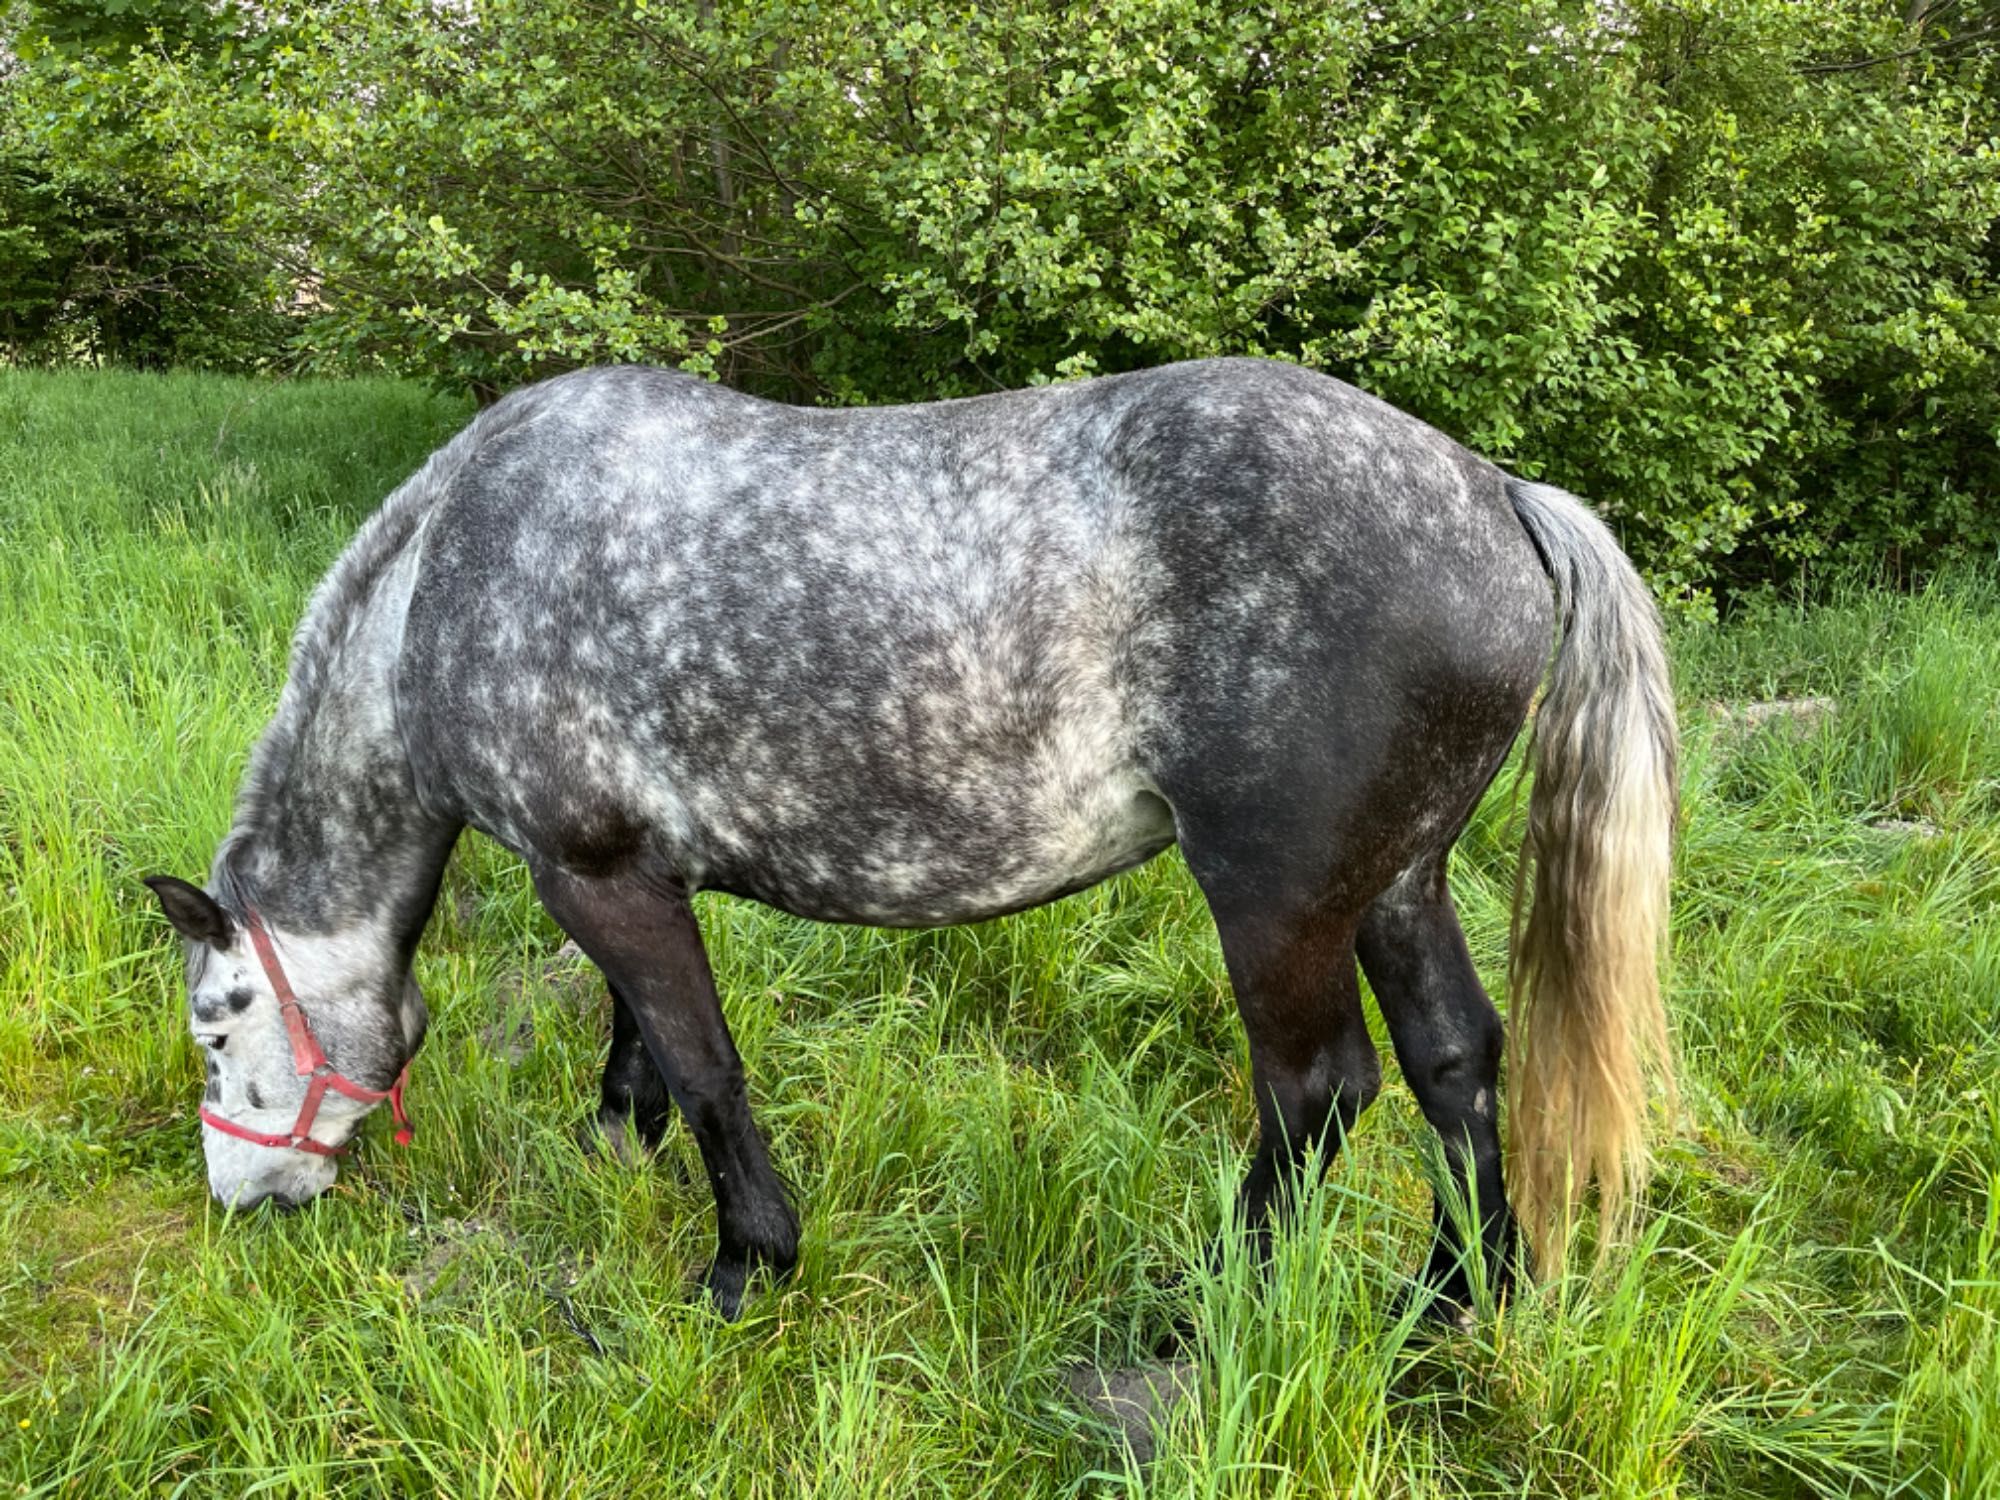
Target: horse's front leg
<point x="638" y="927"/>
<point x="634" y="1098"/>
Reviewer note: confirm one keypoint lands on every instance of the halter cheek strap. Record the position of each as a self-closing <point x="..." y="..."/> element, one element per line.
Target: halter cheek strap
<point x="312" y="1065"/>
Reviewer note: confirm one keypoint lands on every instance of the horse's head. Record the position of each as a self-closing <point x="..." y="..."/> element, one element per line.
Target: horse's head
<point x="304" y="1033"/>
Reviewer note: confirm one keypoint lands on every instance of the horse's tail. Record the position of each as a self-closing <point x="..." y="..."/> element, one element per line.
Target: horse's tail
<point x="1590" y="899"/>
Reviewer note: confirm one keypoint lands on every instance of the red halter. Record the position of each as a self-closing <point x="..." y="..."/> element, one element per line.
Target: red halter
<point x="311" y="1063"/>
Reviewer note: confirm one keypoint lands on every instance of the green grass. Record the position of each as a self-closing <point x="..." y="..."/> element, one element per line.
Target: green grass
<point x="1002" y="1139"/>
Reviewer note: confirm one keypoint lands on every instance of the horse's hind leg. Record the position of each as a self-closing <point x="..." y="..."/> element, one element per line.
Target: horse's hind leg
<point x="1448" y="1039"/>
<point x="634" y="1096"/>
<point x="1313" y="1065"/>
<point x="640" y="930"/>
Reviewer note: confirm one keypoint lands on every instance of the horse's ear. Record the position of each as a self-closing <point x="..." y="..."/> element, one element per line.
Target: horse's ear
<point x="196" y="915"/>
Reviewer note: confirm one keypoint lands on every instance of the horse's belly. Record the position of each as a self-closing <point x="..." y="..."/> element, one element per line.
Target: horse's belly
<point x="949" y="862"/>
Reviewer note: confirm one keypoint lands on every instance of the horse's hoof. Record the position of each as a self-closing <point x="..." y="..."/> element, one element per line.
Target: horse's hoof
<point x="724" y="1283"/>
<point x="1178" y="1337"/>
<point x="614" y="1140"/>
<point x="1439" y="1310"/>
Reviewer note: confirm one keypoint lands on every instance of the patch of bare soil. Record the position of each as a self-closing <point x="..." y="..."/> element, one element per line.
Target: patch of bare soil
<point x="458" y="1245"/>
<point x="568" y="974"/>
<point x="82" y="1272"/>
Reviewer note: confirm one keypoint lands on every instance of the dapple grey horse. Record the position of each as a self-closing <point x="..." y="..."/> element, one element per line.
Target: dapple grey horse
<point x="932" y="664"/>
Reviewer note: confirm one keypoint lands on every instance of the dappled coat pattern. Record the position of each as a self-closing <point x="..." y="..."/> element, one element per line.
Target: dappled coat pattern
<point x="931" y="664"/>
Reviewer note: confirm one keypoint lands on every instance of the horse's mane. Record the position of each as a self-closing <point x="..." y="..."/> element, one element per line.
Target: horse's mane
<point x="337" y="607"/>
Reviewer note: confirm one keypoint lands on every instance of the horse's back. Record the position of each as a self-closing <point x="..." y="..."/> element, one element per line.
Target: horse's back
<point x="923" y="664"/>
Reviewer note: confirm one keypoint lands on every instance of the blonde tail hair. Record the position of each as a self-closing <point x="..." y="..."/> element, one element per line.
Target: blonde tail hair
<point x="1586" y="1024"/>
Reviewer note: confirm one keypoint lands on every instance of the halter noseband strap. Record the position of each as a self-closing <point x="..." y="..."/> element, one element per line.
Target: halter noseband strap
<point x="311" y="1063"/>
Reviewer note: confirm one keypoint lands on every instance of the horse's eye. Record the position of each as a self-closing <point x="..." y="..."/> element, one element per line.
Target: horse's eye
<point x="215" y="1041"/>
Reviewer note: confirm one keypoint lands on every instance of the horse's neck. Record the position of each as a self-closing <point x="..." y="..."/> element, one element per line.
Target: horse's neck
<point x="331" y="834"/>
<point x="343" y="844"/>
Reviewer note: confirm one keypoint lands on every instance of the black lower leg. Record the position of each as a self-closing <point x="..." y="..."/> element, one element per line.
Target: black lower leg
<point x="1448" y="1040"/>
<point x="634" y="1099"/>
<point x="638" y="928"/>
<point x="1313" y="1065"/>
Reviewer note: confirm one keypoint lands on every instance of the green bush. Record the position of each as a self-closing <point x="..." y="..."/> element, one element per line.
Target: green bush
<point x="102" y="256"/>
<point x="1727" y="268"/>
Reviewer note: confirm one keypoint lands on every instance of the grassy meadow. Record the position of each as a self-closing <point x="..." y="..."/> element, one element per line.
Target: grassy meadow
<point x="1002" y="1139"/>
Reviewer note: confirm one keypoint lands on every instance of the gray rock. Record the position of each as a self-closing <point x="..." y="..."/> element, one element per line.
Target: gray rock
<point x="1906" y="828"/>
<point x="1134" y="1400"/>
<point x="1796" y="717"/>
